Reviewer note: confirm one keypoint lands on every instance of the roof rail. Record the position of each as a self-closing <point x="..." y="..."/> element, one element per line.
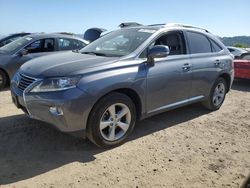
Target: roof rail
<point x="129" y="24"/>
<point x="186" y="26"/>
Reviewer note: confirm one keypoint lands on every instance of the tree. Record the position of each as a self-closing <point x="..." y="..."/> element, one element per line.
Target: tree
<point x="239" y="45"/>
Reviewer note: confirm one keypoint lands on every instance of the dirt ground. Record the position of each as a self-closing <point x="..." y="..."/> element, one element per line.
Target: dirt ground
<point x="187" y="147"/>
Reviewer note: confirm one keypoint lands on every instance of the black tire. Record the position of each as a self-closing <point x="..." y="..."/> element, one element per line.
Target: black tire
<point x="93" y="128"/>
<point x="209" y="103"/>
<point x="3" y="80"/>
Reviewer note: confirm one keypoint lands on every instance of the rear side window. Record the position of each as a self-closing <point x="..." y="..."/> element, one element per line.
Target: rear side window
<point x="198" y="43"/>
<point x="69" y="44"/>
<point x="64" y="44"/>
<point x="77" y="44"/>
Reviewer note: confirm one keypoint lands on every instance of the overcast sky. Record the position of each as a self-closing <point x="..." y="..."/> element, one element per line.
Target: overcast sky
<point x="223" y="17"/>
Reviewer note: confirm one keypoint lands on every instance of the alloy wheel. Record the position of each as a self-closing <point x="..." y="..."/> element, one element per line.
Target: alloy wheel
<point x="115" y="122"/>
<point x="219" y="94"/>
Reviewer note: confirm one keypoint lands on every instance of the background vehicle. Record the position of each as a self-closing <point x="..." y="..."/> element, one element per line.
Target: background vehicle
<point x="242" y="69"/>
<point x="237" y="52"/>
<point x="245" y="56"/>
<point x="128" y="74"/>
<point x="11" y="38"/>
<point x="14" y="54"/>
<point x="93" y="33"/>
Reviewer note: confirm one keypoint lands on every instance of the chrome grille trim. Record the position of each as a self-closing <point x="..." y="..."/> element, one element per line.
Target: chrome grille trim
<point x="24" y="81"/>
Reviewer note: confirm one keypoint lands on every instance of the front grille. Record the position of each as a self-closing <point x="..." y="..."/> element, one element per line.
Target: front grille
<point x="24" y="81"/>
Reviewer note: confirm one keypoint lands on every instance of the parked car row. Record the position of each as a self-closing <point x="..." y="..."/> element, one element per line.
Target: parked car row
<point x="126" y="75"/>
<point x="16" y="53"/>
<point x="241" y="62"/>
<point x="11" y="38"/>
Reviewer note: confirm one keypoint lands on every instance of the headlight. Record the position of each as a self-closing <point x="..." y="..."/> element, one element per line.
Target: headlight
<point x="56" y="84"/>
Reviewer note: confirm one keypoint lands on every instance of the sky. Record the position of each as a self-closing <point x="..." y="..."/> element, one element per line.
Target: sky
<point x="222" y="17"/>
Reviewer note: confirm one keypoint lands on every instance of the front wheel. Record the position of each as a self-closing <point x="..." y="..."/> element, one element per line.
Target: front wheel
<point x="217" y="95"/>
<point x="111" y="120"/>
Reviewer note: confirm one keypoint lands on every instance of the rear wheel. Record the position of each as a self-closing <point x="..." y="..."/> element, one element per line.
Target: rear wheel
<point x="3" y="80"/>
<point x="217" y="95"/>
<point x="111" y="120"/>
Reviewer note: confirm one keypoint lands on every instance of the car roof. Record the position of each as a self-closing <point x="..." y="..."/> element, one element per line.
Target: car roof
<point x="55" y="35"/>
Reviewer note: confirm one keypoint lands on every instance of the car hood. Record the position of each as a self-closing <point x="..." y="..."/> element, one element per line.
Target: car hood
<point x="65" y="64"/>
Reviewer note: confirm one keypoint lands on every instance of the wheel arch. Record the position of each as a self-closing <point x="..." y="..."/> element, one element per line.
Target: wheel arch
<point x="7" y="75"/>
<point x="132" y="94"/>
<point x="227" y="77"/>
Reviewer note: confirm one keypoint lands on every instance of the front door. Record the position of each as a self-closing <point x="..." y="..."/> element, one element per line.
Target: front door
<point x="169" y="80"/>
<point x="35" y="49"/>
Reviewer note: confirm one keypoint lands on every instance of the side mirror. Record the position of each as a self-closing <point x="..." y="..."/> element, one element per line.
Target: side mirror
<point x="158" y="51"/>
<point x="23" y="52"/>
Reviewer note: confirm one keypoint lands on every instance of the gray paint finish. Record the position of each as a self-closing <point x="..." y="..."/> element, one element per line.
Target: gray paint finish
<point x="170" y="82"/>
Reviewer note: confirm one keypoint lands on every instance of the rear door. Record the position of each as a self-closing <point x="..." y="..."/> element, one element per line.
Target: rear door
<point x="206" y="61"/>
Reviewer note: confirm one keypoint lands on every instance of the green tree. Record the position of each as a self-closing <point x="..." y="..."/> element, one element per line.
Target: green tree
<point x="239" y="45"/>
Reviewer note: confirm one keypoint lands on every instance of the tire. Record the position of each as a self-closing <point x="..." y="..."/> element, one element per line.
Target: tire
<point x="104" y="120"/>
<point x="220" y="87"/>
<point x="3" y="80"/>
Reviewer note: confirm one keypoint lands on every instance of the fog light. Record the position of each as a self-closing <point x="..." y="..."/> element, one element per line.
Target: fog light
<point x="56" y="111"/>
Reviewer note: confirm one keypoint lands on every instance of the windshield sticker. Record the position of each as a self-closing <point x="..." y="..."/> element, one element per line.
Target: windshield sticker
<point x="147" y="30"/>
<point x="28" y="38"/>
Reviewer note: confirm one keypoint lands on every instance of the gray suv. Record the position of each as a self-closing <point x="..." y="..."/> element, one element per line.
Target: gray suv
<point x="126" y="75"/>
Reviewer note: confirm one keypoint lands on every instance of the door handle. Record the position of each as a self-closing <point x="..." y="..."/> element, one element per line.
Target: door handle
<point x="217" y="62"/>
<point x="186" y="66"/>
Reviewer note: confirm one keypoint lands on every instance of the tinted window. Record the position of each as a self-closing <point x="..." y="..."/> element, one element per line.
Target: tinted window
<point x="198" y="43"/>
<point x="215" y="46"/>
<point x="77" y="44"/>
<point x="44" y="45"/>
<point x="231" y="50"/>
<point x="175" y="42"/>
<point x="70" y="44"/>
<point x="64" y="44"/>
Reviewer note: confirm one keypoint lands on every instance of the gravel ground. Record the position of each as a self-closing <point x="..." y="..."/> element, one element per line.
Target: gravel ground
<point x="187" y="147"/>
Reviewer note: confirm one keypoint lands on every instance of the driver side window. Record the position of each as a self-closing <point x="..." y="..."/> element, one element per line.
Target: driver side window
<point x="174" y="40"/>
<point x="44" y="45"/>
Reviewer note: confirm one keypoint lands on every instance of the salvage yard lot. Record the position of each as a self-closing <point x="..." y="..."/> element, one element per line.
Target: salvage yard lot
<point x="188" y="147"/>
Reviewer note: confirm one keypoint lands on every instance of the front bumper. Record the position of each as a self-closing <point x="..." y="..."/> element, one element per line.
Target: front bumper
<point x="75" y="106"/>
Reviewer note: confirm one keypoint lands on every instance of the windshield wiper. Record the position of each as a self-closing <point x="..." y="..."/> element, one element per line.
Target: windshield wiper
<point x="94" y="53"/>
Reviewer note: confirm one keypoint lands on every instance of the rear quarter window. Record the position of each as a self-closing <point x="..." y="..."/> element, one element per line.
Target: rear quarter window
<point x="215" y="47"/>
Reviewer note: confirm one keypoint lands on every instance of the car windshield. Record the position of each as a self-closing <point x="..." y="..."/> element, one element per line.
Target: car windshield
<point x="118" y="43"/>
<point x="15" y="45"/>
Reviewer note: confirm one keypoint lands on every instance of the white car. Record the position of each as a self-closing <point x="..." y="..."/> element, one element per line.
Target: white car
<point x="237" y="52"/>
